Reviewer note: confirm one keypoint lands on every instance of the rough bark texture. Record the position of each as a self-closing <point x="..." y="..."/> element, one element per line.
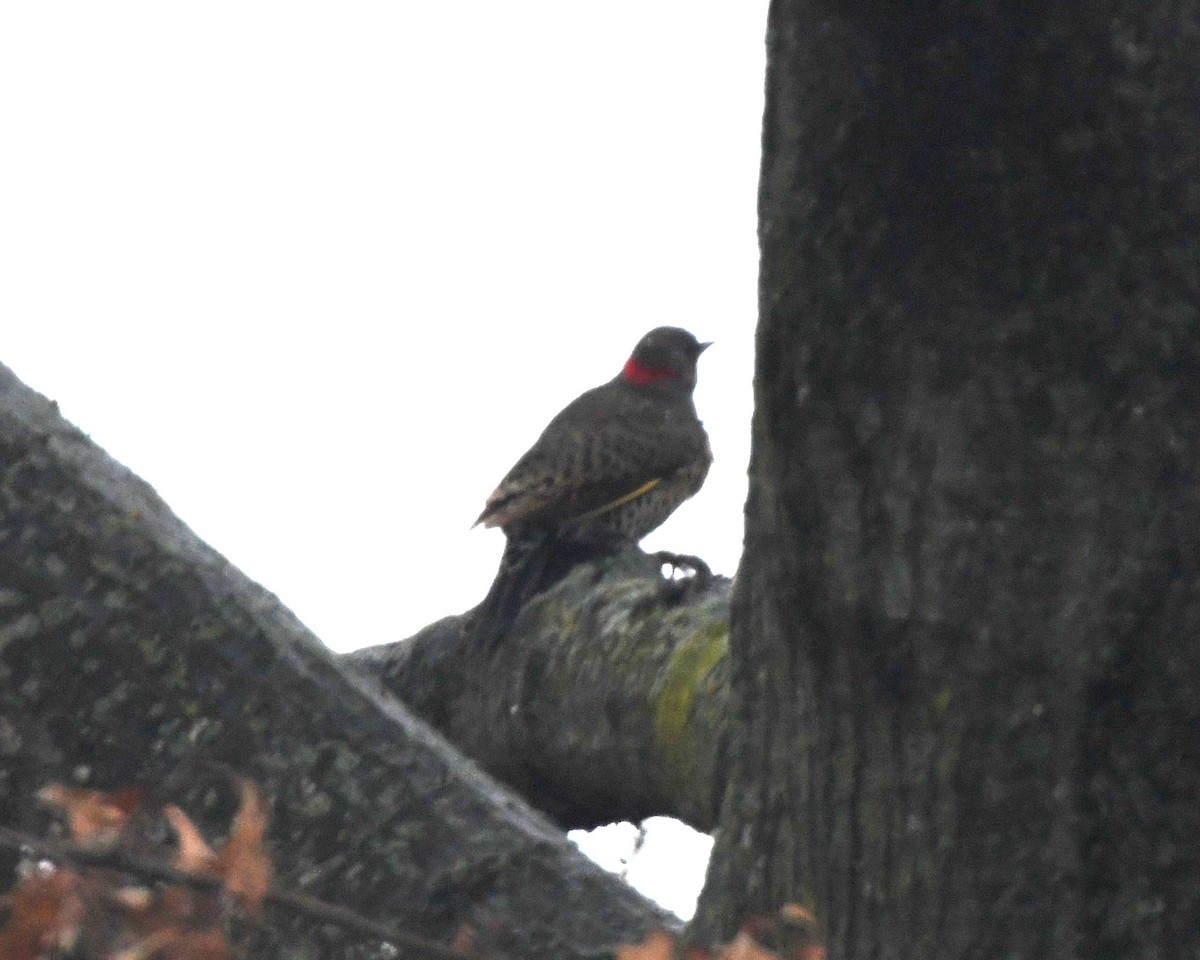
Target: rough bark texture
<point x="965" y="629"/>
<point x="607" y="700"/>
<point x="131" y="653"/>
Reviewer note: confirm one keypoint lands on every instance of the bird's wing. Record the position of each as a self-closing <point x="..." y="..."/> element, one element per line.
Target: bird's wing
<point x="621" y="500"/>
<point x="573" y="473"/>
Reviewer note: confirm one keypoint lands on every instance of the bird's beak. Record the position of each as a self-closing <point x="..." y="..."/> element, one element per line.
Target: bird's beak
<point x="705" y="345"/>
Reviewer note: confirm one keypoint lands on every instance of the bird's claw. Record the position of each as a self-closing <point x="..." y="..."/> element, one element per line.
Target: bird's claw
<point x="687" y="572"/>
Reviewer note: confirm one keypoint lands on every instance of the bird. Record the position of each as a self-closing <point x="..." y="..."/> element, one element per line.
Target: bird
<point x="608" y="469"/>
<point x="618" y="459"/>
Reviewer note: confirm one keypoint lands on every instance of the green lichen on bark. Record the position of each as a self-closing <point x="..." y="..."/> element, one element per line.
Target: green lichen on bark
<point x="568" y="708"/>
<point x="687" y="675"/>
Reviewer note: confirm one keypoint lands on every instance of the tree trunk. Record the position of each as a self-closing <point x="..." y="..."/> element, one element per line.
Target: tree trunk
<point x="131" y="654"/>
<point x="965" y="644"/>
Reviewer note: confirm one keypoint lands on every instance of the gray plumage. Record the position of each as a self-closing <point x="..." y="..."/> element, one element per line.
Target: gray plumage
<point x="618" y="460"/>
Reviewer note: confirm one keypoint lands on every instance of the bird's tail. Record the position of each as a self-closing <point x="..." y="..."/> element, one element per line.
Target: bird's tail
<point x="517" y="576"/>
<point x="533" y="562"/>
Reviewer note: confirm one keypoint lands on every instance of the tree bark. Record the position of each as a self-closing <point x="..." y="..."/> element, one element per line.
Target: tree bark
<point x="130" y="653"/>
<point x="606" y="701"/>
<point x="964" y="632"/>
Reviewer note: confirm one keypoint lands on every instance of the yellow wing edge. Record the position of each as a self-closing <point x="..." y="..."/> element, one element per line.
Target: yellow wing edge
<point x="620" y="501"/>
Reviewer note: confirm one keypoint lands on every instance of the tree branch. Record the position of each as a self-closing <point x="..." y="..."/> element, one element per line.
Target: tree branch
<point x="606" y="701"/>
<point x="130" y="651"/>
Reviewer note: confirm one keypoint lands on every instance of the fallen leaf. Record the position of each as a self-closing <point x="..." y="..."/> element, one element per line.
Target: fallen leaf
<point x="145" y="947"/>
<point x="793" y="933"/>
<point x="111" y="919"/>
<point x="243" y="862"/>
<point x="178" y="944"/>
<point x="201" y="945"/>
<point x="95" y="818"/>
<point x="744" y="947"/>
<point x="46" y="911"/>
<point x="133" y="899"/>
<point x="193" y="854"/>
<point x="795" y="913"/>
<point x="172" y="906"/>
<point x="466" y="941"/>
<point x="658" y="946"/>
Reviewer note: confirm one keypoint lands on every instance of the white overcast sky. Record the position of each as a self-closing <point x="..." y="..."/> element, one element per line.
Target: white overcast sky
<point x="321" y="272"/>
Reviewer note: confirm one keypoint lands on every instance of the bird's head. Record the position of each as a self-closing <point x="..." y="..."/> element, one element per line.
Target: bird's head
<point x="666" y="357"/>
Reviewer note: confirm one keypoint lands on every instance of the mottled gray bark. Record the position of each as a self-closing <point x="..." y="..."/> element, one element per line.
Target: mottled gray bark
<point x="966" y="629"/>
<point x="130" y="653"/>
<point x="607" y="700"/>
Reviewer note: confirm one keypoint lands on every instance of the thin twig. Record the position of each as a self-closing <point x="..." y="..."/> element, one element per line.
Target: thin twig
<point x="147" y="869"/>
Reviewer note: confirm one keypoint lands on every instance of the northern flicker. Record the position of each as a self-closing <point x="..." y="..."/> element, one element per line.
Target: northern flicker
<point x="611" y="467"/>
<point x="618" y="460"/>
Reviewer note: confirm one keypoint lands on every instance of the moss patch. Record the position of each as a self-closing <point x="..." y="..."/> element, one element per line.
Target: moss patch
<point x="690" y="663"/>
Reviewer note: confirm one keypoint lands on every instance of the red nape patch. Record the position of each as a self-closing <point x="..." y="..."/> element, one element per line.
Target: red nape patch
<point x="641" y="375"/>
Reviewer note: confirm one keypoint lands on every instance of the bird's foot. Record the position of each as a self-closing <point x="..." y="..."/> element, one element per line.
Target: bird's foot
<point x="686" y="573"/>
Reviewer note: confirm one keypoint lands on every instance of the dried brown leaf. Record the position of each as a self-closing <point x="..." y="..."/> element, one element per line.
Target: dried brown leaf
<point x="96" y="818"/>
<point x="118" y="920"/>
<point x="174" y="943"/>
<point x="658" y="946"/>
<point x="792" y="933"/>
<point x="194" y="854"/>
<point x="46" y="912"/>
<point x="243" y="862"/>
<point x="744" y="947"/>
<point x="466" y="941"/>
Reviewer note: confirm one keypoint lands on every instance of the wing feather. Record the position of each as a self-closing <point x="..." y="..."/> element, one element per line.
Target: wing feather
<point x="584" y="464"/>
